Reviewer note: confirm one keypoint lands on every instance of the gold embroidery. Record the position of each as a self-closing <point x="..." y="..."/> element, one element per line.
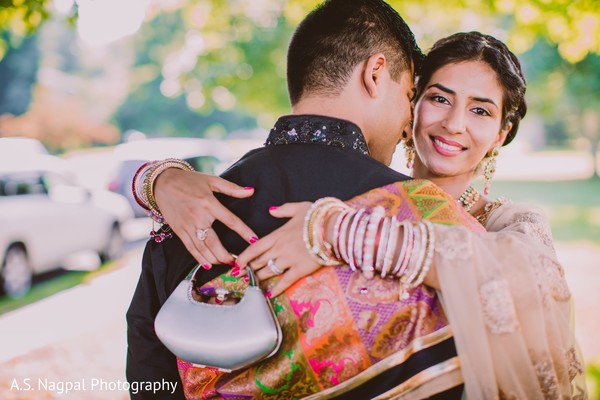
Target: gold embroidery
<point x="483" y="214"/>
<point x="498" y="308"/>
<point x="534" y="224"/>
<point x="547" y="380"/>
<point x="454" y="243"/>
<point x="367" y="320"/>
<point x="551" y="280"/>
<point x="398" y="358"/>
<point x="574" y="364"/>
<point x="504" y="396"/>
<point x="418" y="381"/>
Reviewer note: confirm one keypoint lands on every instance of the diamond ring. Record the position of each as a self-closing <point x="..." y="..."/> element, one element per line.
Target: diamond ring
<point x="201" y="234"/>
<point x="273" y="267"/>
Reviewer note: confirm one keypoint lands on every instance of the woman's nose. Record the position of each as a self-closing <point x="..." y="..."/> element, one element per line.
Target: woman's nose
<point x="454" y="121"/>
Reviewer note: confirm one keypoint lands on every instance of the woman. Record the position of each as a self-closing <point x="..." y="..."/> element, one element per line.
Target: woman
<point x="508" y="302"/>
<point x="502" y="290"/>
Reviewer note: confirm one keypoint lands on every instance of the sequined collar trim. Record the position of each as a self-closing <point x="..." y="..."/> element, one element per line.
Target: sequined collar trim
<point x="317" y="129"/>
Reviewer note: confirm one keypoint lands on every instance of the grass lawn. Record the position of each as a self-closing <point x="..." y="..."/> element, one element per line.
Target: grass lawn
<point x="574" y="211"/>
<point x="59" y="281"/>
<point x="572" y="206"/>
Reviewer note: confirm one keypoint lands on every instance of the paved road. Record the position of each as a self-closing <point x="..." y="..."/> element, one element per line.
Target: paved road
<point x="77" y="337"/>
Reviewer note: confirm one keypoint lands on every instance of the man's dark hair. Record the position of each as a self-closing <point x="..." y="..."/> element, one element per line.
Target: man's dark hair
<point x="339" y="34"/>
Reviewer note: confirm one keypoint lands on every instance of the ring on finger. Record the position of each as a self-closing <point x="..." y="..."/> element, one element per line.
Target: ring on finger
<point x="202" y="233"/>
<point x="273" y="267"/>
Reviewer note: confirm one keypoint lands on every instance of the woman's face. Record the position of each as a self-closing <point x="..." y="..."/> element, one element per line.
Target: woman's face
<point x="458" y="120"/>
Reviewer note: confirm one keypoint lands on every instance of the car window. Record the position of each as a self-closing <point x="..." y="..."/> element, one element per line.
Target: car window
<point x="206" y="164"/>
<point x="19" y="184"/>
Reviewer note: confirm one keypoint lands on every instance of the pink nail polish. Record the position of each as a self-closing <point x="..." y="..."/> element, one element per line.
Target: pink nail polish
<point x="253" y="239"/>
<point x="235" y="271"/>
<point x="273" y="208"/>
<point x="268" y="294"/>
<point x="206" y="266"/>
<point x="248" y="188"/>
<point x="246" y="278"/>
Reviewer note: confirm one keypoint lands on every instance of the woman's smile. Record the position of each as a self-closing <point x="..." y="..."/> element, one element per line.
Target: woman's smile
<point x="446" y="147"/>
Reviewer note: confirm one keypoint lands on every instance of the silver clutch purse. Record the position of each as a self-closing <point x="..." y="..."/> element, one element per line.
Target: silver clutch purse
<point x="224" y="336"/>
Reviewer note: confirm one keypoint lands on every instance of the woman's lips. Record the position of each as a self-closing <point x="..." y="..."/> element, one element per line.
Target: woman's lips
<point x="446" y="147"/>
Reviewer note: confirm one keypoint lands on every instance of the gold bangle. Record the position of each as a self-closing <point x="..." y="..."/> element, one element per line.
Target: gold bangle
<point x="312" y="219"/>
<point x="154" y="172"/>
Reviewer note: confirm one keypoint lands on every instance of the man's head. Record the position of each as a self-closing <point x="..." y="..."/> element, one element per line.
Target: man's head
<point x="348" y="42"/>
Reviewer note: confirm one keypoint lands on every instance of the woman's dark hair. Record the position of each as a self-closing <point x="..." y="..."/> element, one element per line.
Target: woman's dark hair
<point x="475" y="46"/>
<point x="339" y="34"/>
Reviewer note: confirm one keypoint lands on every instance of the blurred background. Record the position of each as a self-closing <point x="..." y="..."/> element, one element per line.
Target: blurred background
<point x="89" y="89"/>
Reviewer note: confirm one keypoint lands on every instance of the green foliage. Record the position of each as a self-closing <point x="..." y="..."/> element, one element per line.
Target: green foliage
<point x="571" y="205"/>
<point x="593" y="380"/>
<point x="18" y="70"/>
<point x="198" y="58"/>
<point x="19" y="19"/>
<point x="149" y="110"/>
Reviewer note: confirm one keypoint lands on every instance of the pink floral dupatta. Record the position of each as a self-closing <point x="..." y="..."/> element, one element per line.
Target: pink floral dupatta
<point x="341" y="330"/>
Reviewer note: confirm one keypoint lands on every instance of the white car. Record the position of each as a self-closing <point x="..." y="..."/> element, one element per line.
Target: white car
<point x="45" y="217"/>
<point x="204" y="155"/>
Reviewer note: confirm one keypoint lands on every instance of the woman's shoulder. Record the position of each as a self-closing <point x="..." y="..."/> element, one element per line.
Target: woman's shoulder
<point x="483" y="214"/>
<point x="526" y="218"/>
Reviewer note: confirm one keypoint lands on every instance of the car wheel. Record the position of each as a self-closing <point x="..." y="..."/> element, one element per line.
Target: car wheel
<point x="16" y="272"/>
<point x="114" y="246"/>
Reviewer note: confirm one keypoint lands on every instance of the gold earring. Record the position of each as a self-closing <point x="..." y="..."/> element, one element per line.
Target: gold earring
<point x="410" y="152"/>
<point x="490" y="170"/>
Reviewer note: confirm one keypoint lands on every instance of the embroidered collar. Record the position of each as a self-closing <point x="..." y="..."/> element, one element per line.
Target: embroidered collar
<point x="317" y="129"/>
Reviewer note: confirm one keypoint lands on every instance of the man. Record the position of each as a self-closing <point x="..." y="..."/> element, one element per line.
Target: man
<point x="350" y="81"/>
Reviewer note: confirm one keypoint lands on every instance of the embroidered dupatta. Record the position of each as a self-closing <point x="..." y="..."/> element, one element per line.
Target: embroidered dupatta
<point x="341" y="330"/>
<point x="507" y="299"/>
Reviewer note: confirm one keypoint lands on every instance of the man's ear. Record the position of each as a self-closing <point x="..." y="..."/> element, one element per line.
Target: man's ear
<point x="373" y="73"/>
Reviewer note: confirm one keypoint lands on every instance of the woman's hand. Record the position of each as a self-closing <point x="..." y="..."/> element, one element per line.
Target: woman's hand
<point x="187" y="203"/>
<point x="282" y="252"/>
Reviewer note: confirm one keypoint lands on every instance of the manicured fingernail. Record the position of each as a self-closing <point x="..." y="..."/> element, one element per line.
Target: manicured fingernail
<point x="268" y="294"/>
<point x="206" y="266"/>
<point x="273" y="208"/>
<point x="246" y="278"/>
<point x="217" y="301"/>
<point x="248" y="188"/>
<point x="235" y="271"/>
<point x="253" y="239"/>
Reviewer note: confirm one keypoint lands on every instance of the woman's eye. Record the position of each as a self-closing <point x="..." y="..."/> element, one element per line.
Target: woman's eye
<point x="481" y="111"/>
<point x="439" y="99"/>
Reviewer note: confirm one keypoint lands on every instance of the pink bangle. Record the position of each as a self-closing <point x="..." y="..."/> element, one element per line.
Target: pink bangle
<point x="343" y="236"/>
<point x="384" y="243"/>
<point x="352" y="238"/>
<point x="137" y="186"/>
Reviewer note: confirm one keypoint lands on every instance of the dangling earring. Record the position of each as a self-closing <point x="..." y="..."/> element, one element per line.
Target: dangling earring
<point x="409" y="147"/>
<point x="490" y="170"/>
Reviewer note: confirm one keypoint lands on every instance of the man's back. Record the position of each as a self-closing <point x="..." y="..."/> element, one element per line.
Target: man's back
<point x="314" y="166"/>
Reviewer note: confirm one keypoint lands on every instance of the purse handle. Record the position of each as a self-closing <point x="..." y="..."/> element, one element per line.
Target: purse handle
<point x="252" y="282"/>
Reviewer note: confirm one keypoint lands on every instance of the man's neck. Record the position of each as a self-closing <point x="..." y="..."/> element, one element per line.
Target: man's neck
<point x="335" y="107"/>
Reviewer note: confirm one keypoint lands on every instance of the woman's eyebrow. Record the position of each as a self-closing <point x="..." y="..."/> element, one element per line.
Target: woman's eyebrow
<point x="450" y="91"/>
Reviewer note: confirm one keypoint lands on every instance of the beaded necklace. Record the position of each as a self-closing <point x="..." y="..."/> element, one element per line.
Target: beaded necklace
<point x="468" y="198"/>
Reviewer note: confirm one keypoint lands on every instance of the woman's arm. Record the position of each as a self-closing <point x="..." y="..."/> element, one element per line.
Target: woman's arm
<point x="286" y="248"/>
<point x="187" y="204"/>
<point x="507" y="299"/>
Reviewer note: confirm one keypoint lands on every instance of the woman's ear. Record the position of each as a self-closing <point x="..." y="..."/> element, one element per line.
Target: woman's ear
<point x="373" y="74"/>
<point x="501" y="136"/>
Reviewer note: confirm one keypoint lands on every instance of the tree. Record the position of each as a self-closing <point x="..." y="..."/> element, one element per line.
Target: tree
<point x="198" y="59"/>
<point x="18" y="70"/>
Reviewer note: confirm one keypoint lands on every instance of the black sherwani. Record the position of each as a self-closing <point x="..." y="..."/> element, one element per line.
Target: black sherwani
<point x="305" y="157"/>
